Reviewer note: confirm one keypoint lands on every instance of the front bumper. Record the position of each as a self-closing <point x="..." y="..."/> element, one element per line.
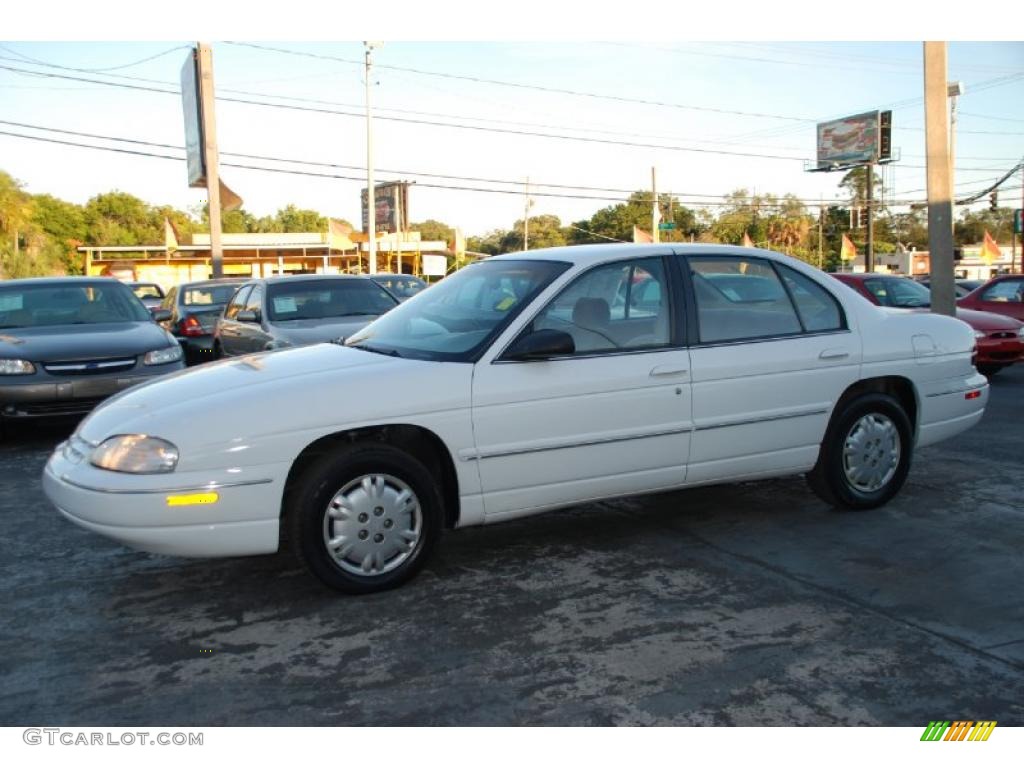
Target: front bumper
<point x="42" y="395"/>
<point x="134" y="509"/>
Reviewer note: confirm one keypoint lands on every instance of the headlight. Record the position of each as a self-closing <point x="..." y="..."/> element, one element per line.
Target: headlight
<point x="979" y="334"/>
<point x="16" y="367"/>
<point x="1020" y="331"/>
<point x="161" y="356"/>
<point x="136" y="454"/>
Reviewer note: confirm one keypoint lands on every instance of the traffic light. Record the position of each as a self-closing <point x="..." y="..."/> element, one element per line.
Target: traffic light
<point x="993" y="201"/>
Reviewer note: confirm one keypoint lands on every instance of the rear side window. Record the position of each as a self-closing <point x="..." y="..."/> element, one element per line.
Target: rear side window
<point x="818" y="309"/>
<point x="740" y="298"/>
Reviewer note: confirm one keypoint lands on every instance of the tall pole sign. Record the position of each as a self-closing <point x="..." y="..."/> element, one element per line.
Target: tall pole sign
<point x="940" y="189"/>
<point x="202" y="154"/>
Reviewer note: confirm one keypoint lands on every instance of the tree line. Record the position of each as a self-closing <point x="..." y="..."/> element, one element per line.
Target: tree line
<point x="40" y="234"/>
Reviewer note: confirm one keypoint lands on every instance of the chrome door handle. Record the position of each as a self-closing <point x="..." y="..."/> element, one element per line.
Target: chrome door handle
<point x="668" y="370"/>
<point x="833" y="354"/>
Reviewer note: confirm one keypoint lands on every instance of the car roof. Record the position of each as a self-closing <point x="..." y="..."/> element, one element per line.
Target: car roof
<point x="275" y="279"/>
<point x="217" y="281"/>
<point x="57" y="281"/>
<point x="598" y="252"/>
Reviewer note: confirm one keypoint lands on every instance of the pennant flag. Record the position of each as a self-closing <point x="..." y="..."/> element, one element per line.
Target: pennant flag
<point x="848" y="252"/>
<point x="170" y="236"/>
<point x="338" y="235"/>
<point x="229" y="201"/>
<point x="990" y="249"/>
<point x="639" y="236"/>
<point x="747" y="242"/>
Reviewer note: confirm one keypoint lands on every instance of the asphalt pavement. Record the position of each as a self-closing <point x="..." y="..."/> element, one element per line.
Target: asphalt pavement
<point x="747" y="604"/>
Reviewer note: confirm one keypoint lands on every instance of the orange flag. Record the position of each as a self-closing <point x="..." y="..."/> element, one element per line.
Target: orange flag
<point x="747" y="242"/>
<point x="848" y="252"/>
<point x="990" y="249"/>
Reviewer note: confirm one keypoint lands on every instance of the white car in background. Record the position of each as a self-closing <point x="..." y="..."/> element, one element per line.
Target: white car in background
<point x="520" y="384"/>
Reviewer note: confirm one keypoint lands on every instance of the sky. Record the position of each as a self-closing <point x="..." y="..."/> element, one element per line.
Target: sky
<point x="714" y="109"/>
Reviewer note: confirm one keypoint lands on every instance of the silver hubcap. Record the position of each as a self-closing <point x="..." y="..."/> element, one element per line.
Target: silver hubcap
<point x="372" y="525"/>
<point x="871" y="452"/>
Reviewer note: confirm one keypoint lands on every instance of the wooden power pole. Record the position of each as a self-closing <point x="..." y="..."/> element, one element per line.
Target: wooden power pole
<point x="940" y="191"/>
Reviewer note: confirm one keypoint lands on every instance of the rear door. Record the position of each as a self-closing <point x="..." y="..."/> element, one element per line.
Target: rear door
<point x="771" y="354"/>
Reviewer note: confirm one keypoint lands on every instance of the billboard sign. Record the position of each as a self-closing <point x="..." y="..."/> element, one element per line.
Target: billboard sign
<point x="392" y="207"/>
<point x="855" y="140"/>
<point x="191" y="107"/>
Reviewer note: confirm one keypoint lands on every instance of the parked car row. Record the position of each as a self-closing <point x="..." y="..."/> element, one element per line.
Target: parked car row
<point x="522" y="383"/>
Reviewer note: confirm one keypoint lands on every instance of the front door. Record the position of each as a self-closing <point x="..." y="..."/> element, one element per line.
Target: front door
<point x="610" y="419"/>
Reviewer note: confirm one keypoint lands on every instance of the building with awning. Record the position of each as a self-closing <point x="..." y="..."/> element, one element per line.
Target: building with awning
<point x="261" y="254"/>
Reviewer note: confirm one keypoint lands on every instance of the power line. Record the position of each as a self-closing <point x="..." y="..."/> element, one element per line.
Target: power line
<point x="685" y="198"/>
<point x="527" y="86"/>
<point x="97" y="70"/>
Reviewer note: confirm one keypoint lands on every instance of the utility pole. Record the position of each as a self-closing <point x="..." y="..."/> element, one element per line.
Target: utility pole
<point x="869" y="251"/>
<point x="526" y="217"/>
<point x="371" y="198"/>
<point x="940" y="189"/>
<point x="821" y="220"/>
<point x="655" y="211"/>
<point x="211" y="154"/>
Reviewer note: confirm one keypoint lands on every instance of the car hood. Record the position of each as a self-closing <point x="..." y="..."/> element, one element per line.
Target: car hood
<point x="258" y="403"/>
<point x="301" y="332"/>
<point x="94" y="341"/>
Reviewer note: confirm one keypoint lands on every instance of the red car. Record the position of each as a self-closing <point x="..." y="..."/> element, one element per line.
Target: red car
<point x="1003" y="295"/>
<point x="1000" y="338"/>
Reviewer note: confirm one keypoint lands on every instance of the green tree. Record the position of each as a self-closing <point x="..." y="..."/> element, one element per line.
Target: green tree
<point x="545" y="231"/>
<point x="118" y="218"/>
<point x="489" y="243"/>
<point x="63" y="224"/>
<point x="970" y="230"/>
<point x="431" y="229"/>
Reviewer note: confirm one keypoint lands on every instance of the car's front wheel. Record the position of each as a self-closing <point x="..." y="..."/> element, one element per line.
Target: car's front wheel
<point x="989" y="369"/>
<point x="364" y="518"/>
<point x="866" y="453"/>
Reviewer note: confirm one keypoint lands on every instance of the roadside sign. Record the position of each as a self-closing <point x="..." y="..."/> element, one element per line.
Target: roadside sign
<point x="1018" y="221"/>
<point x="663" y="225"/>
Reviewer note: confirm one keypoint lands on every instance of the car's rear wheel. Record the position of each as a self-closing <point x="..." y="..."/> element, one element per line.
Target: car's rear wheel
<point x="218" y="351"/>
<point x="866" y="453"/>
<point x="364" y="518"/>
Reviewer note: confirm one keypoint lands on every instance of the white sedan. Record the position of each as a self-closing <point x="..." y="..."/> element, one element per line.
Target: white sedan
<point x="520" y="384"/>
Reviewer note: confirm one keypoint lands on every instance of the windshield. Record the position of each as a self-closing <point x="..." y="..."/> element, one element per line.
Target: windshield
<point x="402" y="287"/>
<point x="899" y="292"/>
<point x="147" y="291"/>
<point x="69" y="303"/>
<point x="458" y="317"/>
<point x="209" y="295"/>
<point x="315" y="299"/>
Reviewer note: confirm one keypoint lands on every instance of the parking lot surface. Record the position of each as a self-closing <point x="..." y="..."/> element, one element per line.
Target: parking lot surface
<point x="750" y="604"/>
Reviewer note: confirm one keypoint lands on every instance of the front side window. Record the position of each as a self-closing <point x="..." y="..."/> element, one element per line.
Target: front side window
<point x="612" y="308"/>
<point x="1005" y="290"/>
<point x="457" y="318"/>
<point x="73" y="302"/>
<point x="739" y="299"/>
<point x="237" y="302"/>
<point x="255" y="300"/>
<point x="312" y="299"/>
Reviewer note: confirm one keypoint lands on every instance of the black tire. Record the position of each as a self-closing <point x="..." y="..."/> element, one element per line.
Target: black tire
<point x="830" y="479"/>
<point x="309" y="523"/>
<point x="218" y="351"/>
<point x="990" y="369"/>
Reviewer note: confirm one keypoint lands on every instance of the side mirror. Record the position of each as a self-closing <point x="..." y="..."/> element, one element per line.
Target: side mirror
<point x="248" y="316"/>
<point x="541" y="345"/>
<point x="160" y="315"/>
